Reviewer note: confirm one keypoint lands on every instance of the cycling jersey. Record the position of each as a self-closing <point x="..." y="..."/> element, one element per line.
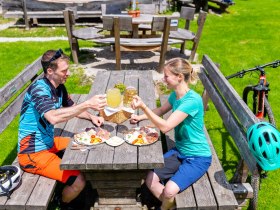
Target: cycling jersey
<point x="40" y="98"/>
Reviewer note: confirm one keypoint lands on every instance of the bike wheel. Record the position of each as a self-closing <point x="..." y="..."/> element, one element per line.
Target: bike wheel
<point x="249" y="97"/>
<point x="268" y="112"/>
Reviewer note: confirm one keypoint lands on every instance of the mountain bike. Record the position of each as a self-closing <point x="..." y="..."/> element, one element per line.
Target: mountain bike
<point x="256" y="96"/>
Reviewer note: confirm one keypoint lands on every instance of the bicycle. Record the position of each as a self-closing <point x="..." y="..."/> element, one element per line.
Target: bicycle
<point x="260" y="105"/>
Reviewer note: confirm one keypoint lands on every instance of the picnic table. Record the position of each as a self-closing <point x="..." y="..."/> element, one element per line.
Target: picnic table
<point x="116" y="172"/>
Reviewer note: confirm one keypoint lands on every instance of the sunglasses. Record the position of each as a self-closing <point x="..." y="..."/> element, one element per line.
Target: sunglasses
<point x="57" y="55"/>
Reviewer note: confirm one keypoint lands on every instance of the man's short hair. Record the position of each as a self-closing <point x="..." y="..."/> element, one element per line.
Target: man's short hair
<point x="50" y="58"/>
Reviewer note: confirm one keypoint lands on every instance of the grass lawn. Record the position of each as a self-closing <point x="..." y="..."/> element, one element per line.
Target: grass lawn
<point x="246" y="36"/>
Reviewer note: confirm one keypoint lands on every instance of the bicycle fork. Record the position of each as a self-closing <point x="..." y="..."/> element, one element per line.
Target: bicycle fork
<point x="260" y="91"/>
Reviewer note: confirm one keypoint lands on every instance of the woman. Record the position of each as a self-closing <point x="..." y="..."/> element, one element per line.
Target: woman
<point x="191" y="156"/>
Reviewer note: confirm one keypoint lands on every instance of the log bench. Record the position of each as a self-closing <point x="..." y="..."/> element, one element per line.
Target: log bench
<point x="213" y="190"/>
<point x="35" y="191"/>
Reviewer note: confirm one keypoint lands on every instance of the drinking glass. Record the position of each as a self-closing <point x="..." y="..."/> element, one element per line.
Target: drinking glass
<point x="128" y="95"/>
<point x="113" y="97"/>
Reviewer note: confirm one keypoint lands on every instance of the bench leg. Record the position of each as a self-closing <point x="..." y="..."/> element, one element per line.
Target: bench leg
<point x="183" y="47"/>
<point x="255" y="182"/>
<point x="193" y="51"/>
<point x="75" y="50"/>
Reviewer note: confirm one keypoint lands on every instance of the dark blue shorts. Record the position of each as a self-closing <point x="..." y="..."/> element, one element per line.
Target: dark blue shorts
<point x="183" y="170"/>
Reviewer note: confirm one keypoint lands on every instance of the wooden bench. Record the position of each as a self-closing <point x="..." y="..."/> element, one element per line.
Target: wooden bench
<point x="213" y="190"/>
<point x="34" y="192"/>
<point x="203" y="4"/>
<point x="223" y="5"/>
<point x="31" y="10"/>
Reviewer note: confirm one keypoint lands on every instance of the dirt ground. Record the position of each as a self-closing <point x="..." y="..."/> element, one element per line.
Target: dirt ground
<point x="103" y="58"/>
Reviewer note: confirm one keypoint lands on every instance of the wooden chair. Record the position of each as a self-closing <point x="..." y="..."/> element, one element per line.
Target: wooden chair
<point x="146" y="9"/>
<point x="185" y="34"/>
<point x="87" y="33"/>
<point x="118" y="24"/>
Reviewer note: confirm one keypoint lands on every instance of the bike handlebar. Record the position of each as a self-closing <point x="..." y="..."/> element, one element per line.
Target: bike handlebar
<point x="240" y="74"/>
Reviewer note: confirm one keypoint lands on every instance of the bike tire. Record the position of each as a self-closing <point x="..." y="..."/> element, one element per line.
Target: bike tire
<point x="268" y="112"/>
<point x="246" y="92"/>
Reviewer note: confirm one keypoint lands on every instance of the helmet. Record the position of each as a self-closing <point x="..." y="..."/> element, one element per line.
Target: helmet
<point x="264" y="143"/>
<point x="10" y="177"/>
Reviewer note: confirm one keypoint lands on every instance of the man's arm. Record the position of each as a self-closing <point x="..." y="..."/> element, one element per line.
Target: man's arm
<point x="97" y="102"/>
<point x="95" y="119"/>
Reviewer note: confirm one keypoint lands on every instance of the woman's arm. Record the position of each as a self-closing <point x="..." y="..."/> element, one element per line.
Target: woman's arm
<point x="158" y="111"/>
<point x="164" y="125"/>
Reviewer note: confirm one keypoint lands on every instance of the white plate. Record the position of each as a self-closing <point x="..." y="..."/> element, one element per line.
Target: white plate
<point x="134" y="135"/>
<point x="115" y="141"/>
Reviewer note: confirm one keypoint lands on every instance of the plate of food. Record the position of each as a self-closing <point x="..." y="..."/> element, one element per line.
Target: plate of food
<point x="141" y="136"/>
<point x="92" y="136"/>
<point x="115" y="141"/>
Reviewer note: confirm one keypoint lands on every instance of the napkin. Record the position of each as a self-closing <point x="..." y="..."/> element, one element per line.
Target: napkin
<point x="110" y="111"/>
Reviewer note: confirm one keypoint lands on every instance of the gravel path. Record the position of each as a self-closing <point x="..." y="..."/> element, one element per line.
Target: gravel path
<point x="31" y="39"/>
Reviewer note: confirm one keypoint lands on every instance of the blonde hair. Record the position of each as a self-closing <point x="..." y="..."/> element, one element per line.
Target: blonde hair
<point x="182" y="66"/>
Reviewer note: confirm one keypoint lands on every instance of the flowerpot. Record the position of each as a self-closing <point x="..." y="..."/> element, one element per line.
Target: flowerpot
<point x="132" y="13"/>
<point x="137" y="13"/>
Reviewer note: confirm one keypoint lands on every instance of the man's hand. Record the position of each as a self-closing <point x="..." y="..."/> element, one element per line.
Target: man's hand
<point x="97" y="102"/>
<point x="134" y="119"/>
<point x="98" y="121"/>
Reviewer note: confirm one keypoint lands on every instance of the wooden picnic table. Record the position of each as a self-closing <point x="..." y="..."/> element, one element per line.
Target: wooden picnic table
<point x="116" y="172"/>
<point x="136" y="21"/>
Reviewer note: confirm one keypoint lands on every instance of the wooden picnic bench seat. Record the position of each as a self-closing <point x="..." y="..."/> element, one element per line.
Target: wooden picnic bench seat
<point x="35" y="191"/>
<point x="213" y="190"/>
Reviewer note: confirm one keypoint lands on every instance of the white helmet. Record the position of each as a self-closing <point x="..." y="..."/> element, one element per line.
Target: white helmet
<point x="9" y="179"/>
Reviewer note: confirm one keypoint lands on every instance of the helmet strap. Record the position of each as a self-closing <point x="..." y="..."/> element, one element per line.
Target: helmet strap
<point x="7" y="190"/>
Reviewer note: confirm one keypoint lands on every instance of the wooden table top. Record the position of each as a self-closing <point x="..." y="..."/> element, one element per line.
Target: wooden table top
<point x="125" y="156"/>
<point x="142" y="19"/>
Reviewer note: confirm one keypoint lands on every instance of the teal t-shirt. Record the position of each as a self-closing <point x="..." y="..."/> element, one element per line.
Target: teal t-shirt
<point x="189" y="134"/>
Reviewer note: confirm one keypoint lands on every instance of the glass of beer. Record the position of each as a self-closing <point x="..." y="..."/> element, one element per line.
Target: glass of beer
<point x="128" y="95"/>
<point x="113" y="97"/>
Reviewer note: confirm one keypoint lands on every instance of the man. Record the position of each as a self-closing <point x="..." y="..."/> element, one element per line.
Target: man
<point x="45" y="104"/>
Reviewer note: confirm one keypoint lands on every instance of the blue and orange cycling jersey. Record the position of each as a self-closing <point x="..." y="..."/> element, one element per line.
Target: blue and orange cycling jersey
<point x="35" y="132"/>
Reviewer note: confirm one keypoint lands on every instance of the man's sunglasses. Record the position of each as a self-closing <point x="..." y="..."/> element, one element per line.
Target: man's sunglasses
<point x="57" y="55"/>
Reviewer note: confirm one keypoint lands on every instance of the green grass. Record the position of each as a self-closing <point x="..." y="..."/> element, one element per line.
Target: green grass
<point x="34" y="32"/>
<point x="246" y="36"/>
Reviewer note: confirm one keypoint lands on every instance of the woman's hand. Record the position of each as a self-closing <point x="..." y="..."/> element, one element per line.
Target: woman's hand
<point x="137" y="103"/>
<point x="98" y="121"/>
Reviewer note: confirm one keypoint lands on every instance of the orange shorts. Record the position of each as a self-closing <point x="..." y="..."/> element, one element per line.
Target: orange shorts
<point x="46" y="163"/>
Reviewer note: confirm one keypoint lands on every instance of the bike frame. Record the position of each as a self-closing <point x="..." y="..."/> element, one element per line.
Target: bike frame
<point x="260" y="91"/>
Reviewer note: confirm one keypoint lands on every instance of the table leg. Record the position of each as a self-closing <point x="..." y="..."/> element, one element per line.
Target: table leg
<point x="135" y="31"/>
<point x="116" y="187"/>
